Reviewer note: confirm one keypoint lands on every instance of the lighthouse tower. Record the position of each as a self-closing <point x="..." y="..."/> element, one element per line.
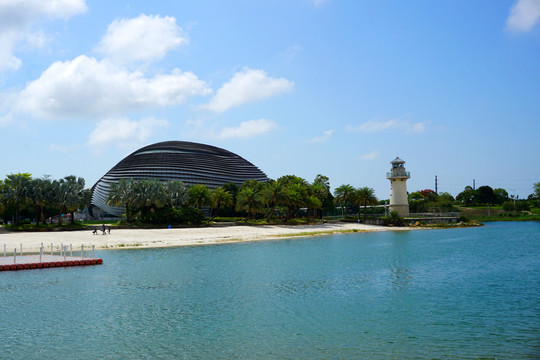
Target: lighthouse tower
<point x="398" y="187"/>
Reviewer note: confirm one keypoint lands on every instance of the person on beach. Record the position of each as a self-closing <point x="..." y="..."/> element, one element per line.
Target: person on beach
<point x="108" y="229"/>
<point x="103" y="228"/>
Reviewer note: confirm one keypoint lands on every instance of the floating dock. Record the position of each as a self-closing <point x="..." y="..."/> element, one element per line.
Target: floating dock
<point x="42" y="260"/>
<point x="27" y="262"/>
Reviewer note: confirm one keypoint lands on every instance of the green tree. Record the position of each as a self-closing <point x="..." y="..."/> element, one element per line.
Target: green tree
<point x="365" y="196"/>
<point x="321" y="189"/>
<point x="501" y="196"/>
<point x="249" y="199"/>
<point x="149" y="196"/>
<point x="39" y="192"/>
<point x="2" y="206"/>
<point x="199" y="196"/>
<point x="343" y="195"/>
<point x="72" y="189"/>
<point x="149" y="193"/>
<point x="536" y="190"/>
<point x="175" y="193"/>
<point x="446" y="197"/>
<point x="233" y="189"/>
<point x="467" y="196"/>
<point x="15" y="191"/>
<point x="485" y="195"/>
<point x="296" y="193"/>
<point x="220" y="198"/>
<point x="122" y="193"/>
<point x="273" y="195"/>
<point x="313" y="203"/>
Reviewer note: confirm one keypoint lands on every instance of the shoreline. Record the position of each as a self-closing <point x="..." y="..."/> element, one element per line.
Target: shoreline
<point x="175" y="237"/>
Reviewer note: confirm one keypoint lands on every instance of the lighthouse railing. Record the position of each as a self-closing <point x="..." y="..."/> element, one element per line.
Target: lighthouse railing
<point x="398" y="174"/>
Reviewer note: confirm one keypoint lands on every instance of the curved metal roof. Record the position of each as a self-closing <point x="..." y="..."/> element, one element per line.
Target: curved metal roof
<point x="191" y="163"/>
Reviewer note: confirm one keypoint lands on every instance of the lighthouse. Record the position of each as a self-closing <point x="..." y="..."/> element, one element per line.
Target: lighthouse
<point x="398" y="187"/>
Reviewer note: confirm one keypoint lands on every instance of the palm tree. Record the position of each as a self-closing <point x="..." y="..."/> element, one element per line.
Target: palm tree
<point x="344" y="195"/>
<point x="15" y="191"/>
<point x="39" y="193"/>
<point x="199" y="196"/>
<point x="122" y="193"/>
<point x="321" y="190"/>
<point x="313" y="202"/>
<point x="249" y="199"/>
<point x="273" y="195"/>
<point x="365" y="196"/>
<point x="175" y="193"/>
<point x="296" y="191"/>
<point x="149" y="193"/>
<point x="296" y="196"/>
<point x="221" y="197"/>
<point x="72" y="188"/>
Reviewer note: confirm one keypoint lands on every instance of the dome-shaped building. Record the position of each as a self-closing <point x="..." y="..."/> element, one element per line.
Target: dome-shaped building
<point x="191" y="163"/>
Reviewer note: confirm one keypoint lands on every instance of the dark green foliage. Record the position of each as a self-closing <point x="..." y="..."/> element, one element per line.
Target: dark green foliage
<point x="509" y="206"/>
<point x="170" y="216"/>
<point x="485" y="195"/>
<point x="517" y="206"/>
<point x="467" y="196"/>
<point x="394" y="219"/>
<point x="522" y="205"/>
<point x="501" y="196"/>
<point x="443" y="202"/>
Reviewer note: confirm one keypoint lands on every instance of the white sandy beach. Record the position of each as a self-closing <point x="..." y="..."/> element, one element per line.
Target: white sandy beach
<point x="153" y="238"/>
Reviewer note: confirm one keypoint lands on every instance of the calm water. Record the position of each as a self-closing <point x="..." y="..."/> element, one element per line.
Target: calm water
<point x="435" y="294"/>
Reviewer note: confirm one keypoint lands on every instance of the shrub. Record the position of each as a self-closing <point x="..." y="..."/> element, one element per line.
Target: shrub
<point x="184" y="215"/>
<point x="509" y="206"/>
<point x="394" y="219"/>
<point x="522" y="206"/>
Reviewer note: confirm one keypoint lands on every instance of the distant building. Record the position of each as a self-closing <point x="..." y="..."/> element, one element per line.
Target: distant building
<point x="398" y="187"/>
<point x="191" y="163"/>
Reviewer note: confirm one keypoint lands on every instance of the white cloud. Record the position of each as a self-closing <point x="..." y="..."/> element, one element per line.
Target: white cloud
<point x="391" y="124"/>
<point x="247" y="129"/>
<point x="247" y="86"/>
<point x="524" y="15"/>
<point x="88" y="88"/>
<point x="17" y="19"/>
<point x="144" y="38"/>
<point x="370" y="156"/>
<point x="326" y="135"/>
<point x="123" y="132"/>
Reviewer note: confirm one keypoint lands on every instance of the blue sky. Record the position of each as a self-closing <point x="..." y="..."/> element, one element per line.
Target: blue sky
<point x="301" y="87"/>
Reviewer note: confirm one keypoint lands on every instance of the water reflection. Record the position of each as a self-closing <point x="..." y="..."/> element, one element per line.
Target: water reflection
<point x="400" y="278"/>
<point x="328" y="286"/>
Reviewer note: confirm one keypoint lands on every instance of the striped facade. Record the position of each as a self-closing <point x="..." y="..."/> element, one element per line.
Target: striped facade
<point x="191" y="163"/>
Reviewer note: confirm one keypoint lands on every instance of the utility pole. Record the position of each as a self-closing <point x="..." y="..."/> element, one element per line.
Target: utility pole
<point x="436" y="191"/>
<point x="474" y="184"/>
